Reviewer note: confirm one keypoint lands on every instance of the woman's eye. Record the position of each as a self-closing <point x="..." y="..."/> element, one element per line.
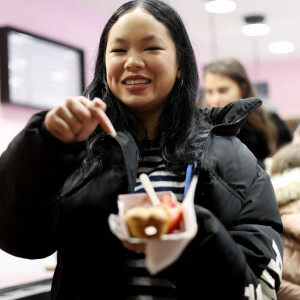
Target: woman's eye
<point x="223" y="90"/>
<point x="152" y="48"/>
<point x="118" y="50"/>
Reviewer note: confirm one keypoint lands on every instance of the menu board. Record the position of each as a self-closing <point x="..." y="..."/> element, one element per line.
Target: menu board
<point x="36" y="71"/>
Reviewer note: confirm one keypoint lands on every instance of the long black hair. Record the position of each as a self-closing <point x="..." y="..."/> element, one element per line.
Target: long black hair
<point x="179" y="124"/>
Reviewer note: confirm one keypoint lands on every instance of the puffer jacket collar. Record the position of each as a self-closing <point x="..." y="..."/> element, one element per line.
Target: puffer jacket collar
<point x="226" y="120"/>
<point x="229" y="119"/>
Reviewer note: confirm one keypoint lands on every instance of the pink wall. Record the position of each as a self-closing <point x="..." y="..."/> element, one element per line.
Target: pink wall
<point x="284" y="85"/>
<point x="61" y="20"/>
<point x="69" y="22"/>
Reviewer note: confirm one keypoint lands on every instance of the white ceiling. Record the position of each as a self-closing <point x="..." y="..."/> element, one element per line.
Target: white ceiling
<point x="219" y="35"/>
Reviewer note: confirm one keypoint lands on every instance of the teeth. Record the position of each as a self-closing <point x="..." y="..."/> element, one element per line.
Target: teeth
<point x="138" y="81"/>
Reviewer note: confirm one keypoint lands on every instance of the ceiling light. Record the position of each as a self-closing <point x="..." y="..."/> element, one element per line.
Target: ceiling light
<point x="281" y="47"/>
<point x="255" y="26"/>
<point x="220" y="6"/>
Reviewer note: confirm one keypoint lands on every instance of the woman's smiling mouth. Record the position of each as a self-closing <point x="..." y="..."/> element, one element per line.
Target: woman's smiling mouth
<point x="135" y="83"/>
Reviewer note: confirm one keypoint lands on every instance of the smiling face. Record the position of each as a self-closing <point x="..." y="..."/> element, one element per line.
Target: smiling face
<point x="141" y="63"/>
<point x="220" y="90"/>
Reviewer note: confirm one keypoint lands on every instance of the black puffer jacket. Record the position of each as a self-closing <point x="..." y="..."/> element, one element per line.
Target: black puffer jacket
<point x="236" y="254"/>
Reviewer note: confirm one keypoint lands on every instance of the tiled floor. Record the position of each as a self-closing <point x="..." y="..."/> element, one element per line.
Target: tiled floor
<point x="14" y="270"/>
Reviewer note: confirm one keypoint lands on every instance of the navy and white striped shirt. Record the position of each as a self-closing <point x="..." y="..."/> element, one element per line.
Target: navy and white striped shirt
<point x="140" y="284"/>
<point x="154" y="166"/>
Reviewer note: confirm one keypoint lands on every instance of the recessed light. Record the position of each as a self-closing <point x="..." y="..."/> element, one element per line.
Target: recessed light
<point x="255" y="26"/>
<point x="282" y="47"/>
<point x="220" y="6"/>
<point x="255" y="29"/>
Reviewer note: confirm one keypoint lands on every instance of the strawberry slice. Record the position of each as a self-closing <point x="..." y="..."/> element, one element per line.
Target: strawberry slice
<point x="167" y="199"/>
<point x="176" y="217"/>
<point x="175" y="211"/>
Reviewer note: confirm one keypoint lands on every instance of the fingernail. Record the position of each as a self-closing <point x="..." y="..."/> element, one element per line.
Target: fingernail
<point x="112" y="132"/>
<point x="98" y="100"/>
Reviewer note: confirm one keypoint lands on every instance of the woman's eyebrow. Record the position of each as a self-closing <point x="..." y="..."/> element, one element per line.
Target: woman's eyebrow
<point x="144" y="39"/>
<point x="151" y="38"/>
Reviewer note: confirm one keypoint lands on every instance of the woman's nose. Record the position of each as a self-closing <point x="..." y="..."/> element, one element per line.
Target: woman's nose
<point x="214" y="99"/>
<point x="134" y="62"/>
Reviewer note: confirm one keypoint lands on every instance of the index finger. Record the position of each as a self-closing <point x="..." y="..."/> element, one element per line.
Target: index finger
<point x="96" y="108"/>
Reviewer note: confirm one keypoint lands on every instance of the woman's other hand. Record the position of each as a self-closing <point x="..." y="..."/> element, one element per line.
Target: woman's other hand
<point x="76" y="118"/>
<point x="137" y="247"/>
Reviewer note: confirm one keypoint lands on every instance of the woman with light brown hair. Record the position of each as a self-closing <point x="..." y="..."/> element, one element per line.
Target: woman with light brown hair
<point x="226" y="80"/>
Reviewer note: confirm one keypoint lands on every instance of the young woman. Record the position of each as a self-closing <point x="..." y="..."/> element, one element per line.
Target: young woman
<point x="61" y="176"/>
<point x="226" y="80"/>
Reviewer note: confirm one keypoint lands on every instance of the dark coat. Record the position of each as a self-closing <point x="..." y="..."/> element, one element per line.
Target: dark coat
<point x="236" y="253"/>
<point x="256" y="140"/>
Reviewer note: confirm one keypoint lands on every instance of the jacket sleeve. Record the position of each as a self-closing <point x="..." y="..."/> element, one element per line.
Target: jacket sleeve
<point x="32" y="170"/>
<point x="238" y="245"/>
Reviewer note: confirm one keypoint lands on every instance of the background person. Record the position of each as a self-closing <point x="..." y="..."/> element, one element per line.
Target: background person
<point x="225" y="80"/>
<point x="61" y="176"/>
<point x="285" y="175"/>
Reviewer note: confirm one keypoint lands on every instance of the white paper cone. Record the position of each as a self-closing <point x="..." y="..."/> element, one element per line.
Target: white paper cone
<point x="160" y="252"/>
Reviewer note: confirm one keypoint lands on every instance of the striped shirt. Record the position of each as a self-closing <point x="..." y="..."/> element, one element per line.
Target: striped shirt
<point x="140" y="284"/>
<point x="154" y="166"/>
